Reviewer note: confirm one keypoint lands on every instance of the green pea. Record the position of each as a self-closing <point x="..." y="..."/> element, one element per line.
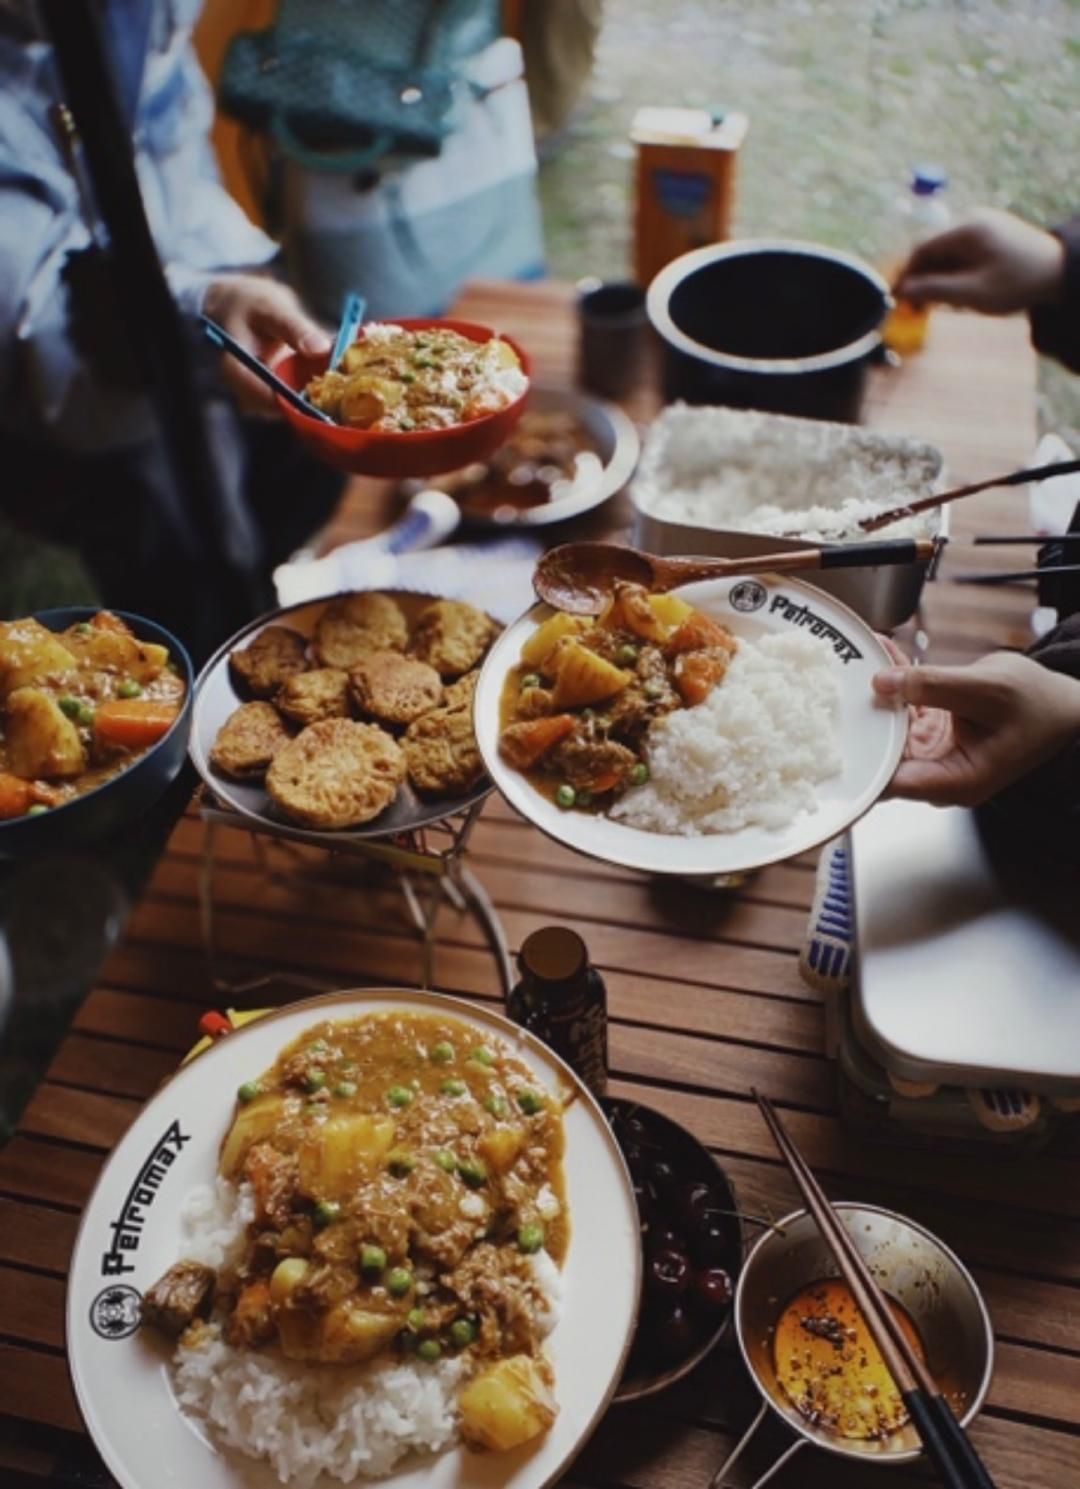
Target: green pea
<point x="314" y="1080"/>
<point x="129" y="688"/>
<point x="429" y="1350"/>
<point x="399" y="1096"/>
<point x="472" y="1172"/>
<point x="69" y="705"/>
<point x="248" y="1091"/>
<point x="407" y="377"/>
<point x="462" y="1332"/>
<point x="400" y="1164"/>
<point x="496" y="1106"/>
<point x="565" y="797"/>
<point x="399" y="1282"/>
<point x="317" y="1047"/>
<point x="530" y="1102"/>
<point x="639" y="774"/>
<point x="626" y="656"/>
<point x="416" y="1318"/>
<point x="326" y="1210"/>
<point x="482" y="1055"/>
<point x="442" y="1053"/>
<point x="406" y="424"/>
<point x="530" y="680"/>
<point x="372" y="1259"/>
<point x="446" y="1161"/>
<point x="345" y="1088"/>
<point x="653" y="691"/>
<point x="453" y="1087"/>
<point x="85" y="715"/>
<point x="37" y="810"/>
<point x="82" y="629"/>
<point x="530" y="1238"/>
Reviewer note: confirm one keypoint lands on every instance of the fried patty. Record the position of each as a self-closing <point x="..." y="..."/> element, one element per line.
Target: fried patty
<point x="354" y="625"/>
<point x="248" y="740"/>
<point x="460" y="694"/>
<point x="394" y="689"/>
<point x="336" y="774"/>
<point x="322" y="693"/>
<point x="275" y="655"/>
<point x="441" y="752"/>
<point x="452" y="636"/>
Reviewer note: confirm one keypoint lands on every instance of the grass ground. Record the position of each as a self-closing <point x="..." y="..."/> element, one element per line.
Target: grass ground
<point x="842" y="97"/>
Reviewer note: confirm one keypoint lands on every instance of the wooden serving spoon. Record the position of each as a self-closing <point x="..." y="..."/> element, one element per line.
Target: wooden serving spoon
<point x="580" y="577"/>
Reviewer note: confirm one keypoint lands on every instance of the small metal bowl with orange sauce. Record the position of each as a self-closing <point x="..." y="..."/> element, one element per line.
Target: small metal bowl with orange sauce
<point x="932" y="1292"/>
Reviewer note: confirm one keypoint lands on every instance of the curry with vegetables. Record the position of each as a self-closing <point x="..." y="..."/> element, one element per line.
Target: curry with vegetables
<point x="406" y="1177"/>
<point x="77" y="707"/>
<point x="397" y="380"/>
<point x="577" y="709"/>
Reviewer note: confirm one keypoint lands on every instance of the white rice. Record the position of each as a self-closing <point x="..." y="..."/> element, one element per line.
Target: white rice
<point x="752" y="753"/>
<point x="741" y="471"/>
<point x="346" y="1422"/>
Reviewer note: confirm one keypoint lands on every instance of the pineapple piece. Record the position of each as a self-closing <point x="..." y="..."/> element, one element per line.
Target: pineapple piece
<point x="341" y="1152"/>
<point x="42" y="742"/>
<point x="254" y="1123"/>
<point x="584" y="677"/>
<point x="506" y="1405"/>
<point x="29" y="652"/>
<point x="500" y="1147"/>
<point x="543" y="641"/>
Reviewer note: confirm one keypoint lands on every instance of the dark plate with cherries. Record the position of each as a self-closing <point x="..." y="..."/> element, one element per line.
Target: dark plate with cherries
<point x="692" y="1244"/>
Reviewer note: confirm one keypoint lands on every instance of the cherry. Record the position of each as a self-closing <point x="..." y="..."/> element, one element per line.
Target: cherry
<point x="668" y="1273"/>
<point x="712" y="1290"/>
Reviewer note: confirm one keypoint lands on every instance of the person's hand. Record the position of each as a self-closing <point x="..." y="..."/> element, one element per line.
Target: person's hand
<point x="993" y="262"/>
<point x="976" y="729"/>
<point x="263" y="315"/>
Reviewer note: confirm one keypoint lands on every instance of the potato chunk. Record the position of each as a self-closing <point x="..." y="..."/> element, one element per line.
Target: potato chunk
<point x="28" y="653"/>
<point x="584" y="677"/>
<point x="500" y="1147"/>
<point x="343" y="1151"/>
<point x="42" y="742"/>
<point x="253" y="1123"/>
<point x="543" y="641"/>
<point x="506" y="1405"/>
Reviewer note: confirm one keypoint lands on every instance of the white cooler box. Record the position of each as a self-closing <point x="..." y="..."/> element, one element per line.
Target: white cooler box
<point x="410" y="239"/>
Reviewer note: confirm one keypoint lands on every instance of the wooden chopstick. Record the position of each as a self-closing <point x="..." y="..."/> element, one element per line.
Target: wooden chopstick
<point x="939" y="499"/>
<point x="945" y="1442"/>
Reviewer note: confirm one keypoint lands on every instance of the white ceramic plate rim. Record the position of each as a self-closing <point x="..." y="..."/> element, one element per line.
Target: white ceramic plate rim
<point x="719" y="853"/>
<point x="601" y="1274"/>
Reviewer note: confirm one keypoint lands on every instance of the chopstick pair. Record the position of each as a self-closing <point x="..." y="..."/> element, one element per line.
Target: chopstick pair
<point x="221" y="338"/>
<point x="945" y="1441"/>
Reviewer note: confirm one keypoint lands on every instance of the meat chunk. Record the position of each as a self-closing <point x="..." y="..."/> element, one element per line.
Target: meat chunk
<point x="183" y="1294"/>
<point x="592" y="764"/>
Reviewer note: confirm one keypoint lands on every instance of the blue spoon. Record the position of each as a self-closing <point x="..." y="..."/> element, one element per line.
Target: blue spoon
<point x="352" y="314"/>
<point x="221" y="338"/>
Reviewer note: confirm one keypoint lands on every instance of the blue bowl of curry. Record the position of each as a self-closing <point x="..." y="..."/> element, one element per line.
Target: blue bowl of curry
<point x="95" y="708"/>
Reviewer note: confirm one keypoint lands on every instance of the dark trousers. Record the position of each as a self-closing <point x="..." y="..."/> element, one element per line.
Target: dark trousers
<point x="124" y="515"/>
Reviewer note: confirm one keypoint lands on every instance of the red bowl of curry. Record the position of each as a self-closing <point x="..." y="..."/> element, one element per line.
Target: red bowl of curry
<point x="467" y="430"/>
<point x="99" y="730"/>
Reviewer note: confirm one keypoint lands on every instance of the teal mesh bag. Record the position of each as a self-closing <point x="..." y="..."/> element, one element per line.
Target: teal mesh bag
<point x="337" y="84"/>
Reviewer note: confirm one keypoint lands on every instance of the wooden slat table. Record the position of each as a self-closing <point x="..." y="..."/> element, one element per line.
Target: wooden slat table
<point x="705" y="1000"/>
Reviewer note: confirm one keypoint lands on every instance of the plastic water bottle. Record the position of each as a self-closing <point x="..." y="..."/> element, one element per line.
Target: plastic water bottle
<point x="922" y="212"/>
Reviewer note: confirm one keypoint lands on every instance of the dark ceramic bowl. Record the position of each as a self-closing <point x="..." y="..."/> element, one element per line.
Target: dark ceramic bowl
<point x="122" y="799"/>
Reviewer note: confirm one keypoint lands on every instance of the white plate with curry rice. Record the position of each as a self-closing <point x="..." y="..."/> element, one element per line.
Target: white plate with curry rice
<point x="346" y="715"/>
<point x="375" y="1236"/>
<point x="714" y="730"/>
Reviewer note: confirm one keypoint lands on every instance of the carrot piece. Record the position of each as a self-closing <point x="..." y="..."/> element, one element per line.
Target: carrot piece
<point x="134" y="723"/>
<point x="15" y="796"/>
<point x="697" y="675"/>
<point x="606" y="782"/>
<point x="521" y="745"/>
<point x="699" y="631"/>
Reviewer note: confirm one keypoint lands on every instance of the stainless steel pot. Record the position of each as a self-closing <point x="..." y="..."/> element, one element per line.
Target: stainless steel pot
<point x="773" y="324"/>
<point x="913" y="1267"/>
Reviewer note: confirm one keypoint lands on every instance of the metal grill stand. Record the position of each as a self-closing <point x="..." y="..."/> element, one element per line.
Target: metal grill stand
<point x="427" y="863"/>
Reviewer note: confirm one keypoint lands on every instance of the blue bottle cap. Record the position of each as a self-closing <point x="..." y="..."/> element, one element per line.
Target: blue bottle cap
<point x="926" y="179"/>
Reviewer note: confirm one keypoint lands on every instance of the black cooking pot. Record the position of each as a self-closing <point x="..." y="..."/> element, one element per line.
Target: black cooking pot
<point x="787" y="327"/>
